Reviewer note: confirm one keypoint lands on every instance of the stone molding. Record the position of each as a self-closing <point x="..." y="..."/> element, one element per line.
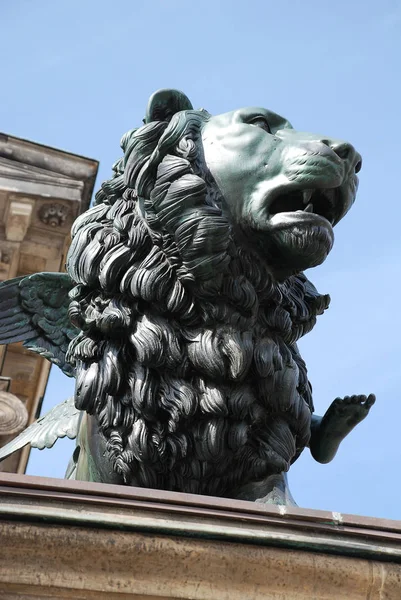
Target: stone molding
<point x="13" y="414"/>
<point x="53" y="214"/>
<point x="18" y="219"/>
<point x="78" y="540"/>
<point x="39" y="169"/>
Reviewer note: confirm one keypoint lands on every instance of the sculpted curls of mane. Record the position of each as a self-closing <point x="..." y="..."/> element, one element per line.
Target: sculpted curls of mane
<point x="187" y="353"/>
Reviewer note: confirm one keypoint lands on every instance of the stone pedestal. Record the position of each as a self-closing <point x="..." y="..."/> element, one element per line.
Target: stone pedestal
<point x="63" y="539"/>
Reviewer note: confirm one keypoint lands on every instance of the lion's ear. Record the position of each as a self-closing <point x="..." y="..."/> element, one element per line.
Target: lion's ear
<point x="163" y="105"/>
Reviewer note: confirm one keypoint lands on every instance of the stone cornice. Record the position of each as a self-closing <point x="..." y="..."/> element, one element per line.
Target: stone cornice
<point x="36" y="163"/>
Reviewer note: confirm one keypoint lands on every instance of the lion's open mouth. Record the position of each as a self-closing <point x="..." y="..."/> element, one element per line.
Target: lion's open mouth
<point x="319" y="202"/>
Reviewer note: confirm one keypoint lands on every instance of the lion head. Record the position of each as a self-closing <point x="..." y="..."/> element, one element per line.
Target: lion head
<point x="284" y="190"/>
<point x="190" y="297"/>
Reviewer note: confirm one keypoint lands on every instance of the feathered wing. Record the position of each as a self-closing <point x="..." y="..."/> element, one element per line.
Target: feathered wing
<point x="62" y="420"/>
<point x="34" y="310"/>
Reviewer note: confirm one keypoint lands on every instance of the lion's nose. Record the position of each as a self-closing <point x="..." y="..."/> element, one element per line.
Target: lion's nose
<point x="342" y="150"/>
<point x="346" y="152"/>
<point x="358" y="165"/>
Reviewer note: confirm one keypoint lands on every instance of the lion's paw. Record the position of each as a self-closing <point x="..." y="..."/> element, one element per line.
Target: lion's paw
<point x="345" y="413"/>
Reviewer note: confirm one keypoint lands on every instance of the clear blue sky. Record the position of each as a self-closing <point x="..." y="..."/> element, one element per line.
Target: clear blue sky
<point x="77" y="74"/>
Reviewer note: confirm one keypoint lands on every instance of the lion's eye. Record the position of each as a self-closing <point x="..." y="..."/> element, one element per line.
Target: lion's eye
<point x="261" y="122"/>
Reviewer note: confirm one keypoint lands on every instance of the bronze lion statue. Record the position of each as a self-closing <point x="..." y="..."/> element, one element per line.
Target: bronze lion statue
<point x="183" y="303"/>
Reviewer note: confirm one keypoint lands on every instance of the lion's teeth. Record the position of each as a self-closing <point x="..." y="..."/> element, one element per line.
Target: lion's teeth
<point x="307" y="196"/>
<point x="309" y="208"/>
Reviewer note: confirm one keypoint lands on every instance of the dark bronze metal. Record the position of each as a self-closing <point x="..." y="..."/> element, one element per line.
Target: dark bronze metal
<point x="183" y="304"/>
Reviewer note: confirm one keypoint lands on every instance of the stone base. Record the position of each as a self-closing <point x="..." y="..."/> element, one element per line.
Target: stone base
<point x="75" y="540"/>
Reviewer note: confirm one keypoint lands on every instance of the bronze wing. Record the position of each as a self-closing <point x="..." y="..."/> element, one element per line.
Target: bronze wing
<point x="62" y="420"/>
<point x="34" y="310"/>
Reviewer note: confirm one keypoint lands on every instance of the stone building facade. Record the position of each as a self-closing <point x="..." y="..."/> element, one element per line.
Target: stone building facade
<point x="42" y="191"/>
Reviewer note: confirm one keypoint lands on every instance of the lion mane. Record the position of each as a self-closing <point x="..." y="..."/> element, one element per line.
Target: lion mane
<point x="187" y="352"/>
